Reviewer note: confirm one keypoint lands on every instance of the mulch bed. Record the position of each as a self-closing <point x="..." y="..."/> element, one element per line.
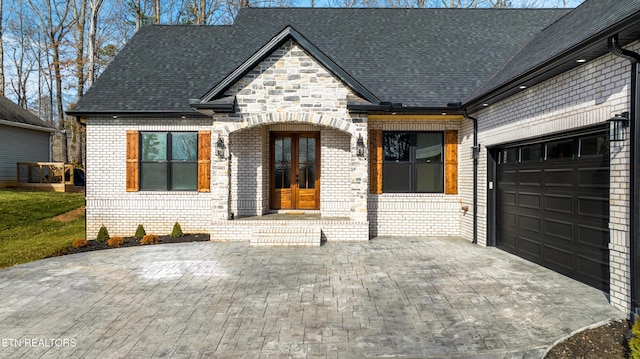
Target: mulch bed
<point x="608" y="341"/>
<point x="132" y="242"/>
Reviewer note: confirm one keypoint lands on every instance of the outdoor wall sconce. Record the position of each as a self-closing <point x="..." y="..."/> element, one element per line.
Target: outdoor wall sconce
<point x="220" y="148"/>
<point x="360" y="146"/>
<point x="475" y="152"/>
<point x="617" y="124"/>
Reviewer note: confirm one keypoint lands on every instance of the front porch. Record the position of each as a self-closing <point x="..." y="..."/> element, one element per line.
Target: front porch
<point x="290" y="228"/>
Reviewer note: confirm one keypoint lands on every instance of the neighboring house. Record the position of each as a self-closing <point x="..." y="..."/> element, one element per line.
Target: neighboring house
<point x="371" y="119"/>
<point x="23" y="138"/>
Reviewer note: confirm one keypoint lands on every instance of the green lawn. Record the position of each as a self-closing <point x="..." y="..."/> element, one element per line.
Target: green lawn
<point x="28" y="233"/>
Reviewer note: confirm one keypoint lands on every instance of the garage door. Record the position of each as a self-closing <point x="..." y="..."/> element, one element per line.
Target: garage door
<point x="552" y="205"/>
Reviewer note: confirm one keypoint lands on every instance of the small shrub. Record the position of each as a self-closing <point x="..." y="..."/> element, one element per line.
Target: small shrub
<point x="139" y="232"/>
<point x="115" y="242"/>
<point x="103" y="234"/>
<point x="177" y="231"/>
<point x="79" y="243"/>
<point x="150" y="239"/>
<point x="634" y="341"/>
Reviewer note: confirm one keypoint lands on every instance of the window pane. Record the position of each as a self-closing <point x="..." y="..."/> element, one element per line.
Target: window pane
<point x="154" y="146"/>
<point x="285" y="175"/>
<point x="531" y="153"/>
<point x="184" y="176"/>
<point x="396" y="146"/>
<point x="429" y="147"/>
<point x="184" y="146"/>
<point x="560" y="150"/>
<point x="153" y="176"/>
<point x="429" y="177"/>
<point x="396" y="177"/>
<point x="594" y="146"/>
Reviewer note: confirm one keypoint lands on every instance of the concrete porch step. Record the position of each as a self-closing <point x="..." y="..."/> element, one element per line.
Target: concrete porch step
<point x="286" y="236"/>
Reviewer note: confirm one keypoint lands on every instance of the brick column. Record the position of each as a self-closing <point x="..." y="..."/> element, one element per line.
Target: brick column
<point x="359" y="170"/>
<point x="220" y="174"/>
<point x="619" y="242"/>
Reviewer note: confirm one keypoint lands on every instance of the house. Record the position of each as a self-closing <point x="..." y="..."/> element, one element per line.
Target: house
<point x="23" y="138"/>
<point x="490" y="124"/>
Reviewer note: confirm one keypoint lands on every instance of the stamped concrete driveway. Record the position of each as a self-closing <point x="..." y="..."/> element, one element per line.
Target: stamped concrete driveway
<point x="411" y="297"/>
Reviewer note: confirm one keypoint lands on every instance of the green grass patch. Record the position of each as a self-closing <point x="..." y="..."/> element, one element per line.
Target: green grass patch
<point x="28" y="233"/>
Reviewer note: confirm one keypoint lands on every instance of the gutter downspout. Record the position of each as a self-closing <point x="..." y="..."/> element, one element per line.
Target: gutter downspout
<point x="634" y="175"/>
<point x="475" y="175"/>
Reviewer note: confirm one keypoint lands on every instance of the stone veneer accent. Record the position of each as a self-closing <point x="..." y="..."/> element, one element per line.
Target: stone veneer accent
<point x="110" y="205"/>
<point x="587" y="95"/>
<point x="289" y="91"/>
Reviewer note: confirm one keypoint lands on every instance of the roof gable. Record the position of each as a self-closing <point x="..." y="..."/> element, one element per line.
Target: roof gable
<point x="288" y="33"/>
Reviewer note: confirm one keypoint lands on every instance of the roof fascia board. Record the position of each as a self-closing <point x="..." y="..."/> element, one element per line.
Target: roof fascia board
<point x="27" y="126"/>
<point x="137" y="114"/>
<point x="288" y="33"/>
<point x="566" y="56"/>
<point x="387" y="109"/>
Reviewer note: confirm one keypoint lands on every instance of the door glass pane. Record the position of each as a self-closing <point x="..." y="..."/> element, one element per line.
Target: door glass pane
<point x="282" y="159"/>
<point x="560" y="150"/>
<point x="594" y="146"/>
<point x="184" y="146"/>
<point x="285" y="174"/>
<point x="278" y="175"/>
<point x="509" y="155"/>
<point x="277" y="150"/>
<point x="311" y="154"/>
<point x="154" y="146"/>
<point x="429" y="147"/>
<point x="531" y="153"/>
<point x="302" y="150"/>
<point x="302" y="176"/>
<point x="153" y="176"/>
<point x="286" y="149"/>
<point x="396" y="146"/>
<point x="429" y="177"/>
<point x="311" y="176"/>
<point x="184" y="176"/>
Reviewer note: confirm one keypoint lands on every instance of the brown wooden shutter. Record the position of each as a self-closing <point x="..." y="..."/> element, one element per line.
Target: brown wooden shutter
<point x="132" y="161"/>
<point x="204" y="161"/>
<point x="451" y="162"/>
<point x="375" y="161"/>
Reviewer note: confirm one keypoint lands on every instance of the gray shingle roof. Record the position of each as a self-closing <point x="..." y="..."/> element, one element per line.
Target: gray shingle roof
<point x="583" y="23"/>
<point x="418" y="57"/>
<point x="11" y="112"/>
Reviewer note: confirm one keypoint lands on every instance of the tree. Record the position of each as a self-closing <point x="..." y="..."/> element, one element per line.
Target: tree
<point x="1" y="55"/>
<point x="53" y="17"/>
<point x="96" y="6"/>
<point x="21" y="56"/>
<point x="79" y="20"/>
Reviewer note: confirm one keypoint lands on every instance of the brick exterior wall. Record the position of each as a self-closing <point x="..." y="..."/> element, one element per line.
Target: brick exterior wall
<point x="110" y="205"/>
<point x="416" y="214"/>
<point x="585" y="96"/>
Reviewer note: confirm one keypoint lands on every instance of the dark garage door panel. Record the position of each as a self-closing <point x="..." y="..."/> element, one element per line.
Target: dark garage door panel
<point x="556" y="214"/>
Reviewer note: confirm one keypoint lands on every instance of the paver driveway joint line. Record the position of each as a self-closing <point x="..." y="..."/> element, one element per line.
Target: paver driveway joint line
<point x="403" y="297"/>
